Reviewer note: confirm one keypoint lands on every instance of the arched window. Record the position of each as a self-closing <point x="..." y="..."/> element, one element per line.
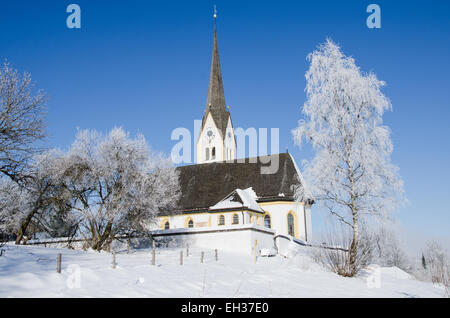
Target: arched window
<point x="291" y="228"/>
<point x="213" y="154"/>
<point x="267" y="221"/>
<point x="221" y="220"/>
<point x="166" y="225"/>
<point x="191" y="223"/>
<point x="207" y="154"/>
<point x="235" y="218"/>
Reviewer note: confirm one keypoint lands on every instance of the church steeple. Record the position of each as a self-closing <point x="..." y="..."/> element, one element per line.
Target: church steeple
<point x="216" y="141"/>
<point x="216" y="96"/>
<point x="215" y="103"/>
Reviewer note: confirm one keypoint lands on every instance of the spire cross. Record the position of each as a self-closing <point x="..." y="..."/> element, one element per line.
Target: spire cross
<point x="215" y="12"/>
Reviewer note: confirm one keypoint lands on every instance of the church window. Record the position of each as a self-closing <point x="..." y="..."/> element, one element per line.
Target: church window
<point x="188" y="222"/>
<point x="166" y="225"/>
<point x="207" y="154"/>
<point x="291" y="228"/>
<point x="221" y="220"/>
<point x="235" y="218"/>
<point x="267" y="221"/>
<point x="213" y="154"/>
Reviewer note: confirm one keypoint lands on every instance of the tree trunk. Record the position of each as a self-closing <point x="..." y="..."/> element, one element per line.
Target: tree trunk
<point x="24" y="226"/>
<point x="103" y="238"/>
<point x="354" y="246"/>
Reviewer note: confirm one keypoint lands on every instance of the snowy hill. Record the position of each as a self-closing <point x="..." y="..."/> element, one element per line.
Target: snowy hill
<point x="29" y="271"/>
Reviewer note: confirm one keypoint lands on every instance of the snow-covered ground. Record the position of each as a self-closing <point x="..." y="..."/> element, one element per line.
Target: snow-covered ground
<point x="30" y="271"/>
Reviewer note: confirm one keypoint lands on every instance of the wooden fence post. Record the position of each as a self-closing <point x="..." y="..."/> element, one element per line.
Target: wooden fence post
<point x="181" y="257"/>
<point x="217" y="257"/>
<point x="153" y="257"/>
<point x="201" y="258"/>
<point x="114" y="260"/>
<point x="58" y="263"/>
<point x="153" y="243"/>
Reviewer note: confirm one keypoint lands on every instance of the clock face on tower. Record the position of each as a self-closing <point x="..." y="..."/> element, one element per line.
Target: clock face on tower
<point x="210" y="133"/>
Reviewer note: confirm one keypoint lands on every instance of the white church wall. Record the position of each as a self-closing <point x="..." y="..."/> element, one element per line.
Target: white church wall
<point x="230" y="144"/>
<point x="278" y="212"/>
<point x="309" y="235"/>
<point x="263" y="240"/>
<point x="180" y="220"/>
<point x="239" y="239"/>
<point x="201" y="220"/>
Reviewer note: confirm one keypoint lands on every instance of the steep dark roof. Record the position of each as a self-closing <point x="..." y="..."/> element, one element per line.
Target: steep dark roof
<point x="203" y="185"/>
<point x="215" y="103"/>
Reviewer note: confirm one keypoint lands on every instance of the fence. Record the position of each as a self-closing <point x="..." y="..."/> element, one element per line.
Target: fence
<point x="168" y="257"/>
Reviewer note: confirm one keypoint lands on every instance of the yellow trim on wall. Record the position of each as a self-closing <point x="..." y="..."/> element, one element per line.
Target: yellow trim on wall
<point x="294" y="216"/>
<point x="186" y="222"/>
<point x="258" y="220"/>
<point x="163" y="222"/>
<point x="209" y="213"/>
<point x="185" y="214"/>
<point x="232" y="218"/>
<point x="218" y="219"/>
<point x="270" y="216"/>
<point x="280" y="202"/>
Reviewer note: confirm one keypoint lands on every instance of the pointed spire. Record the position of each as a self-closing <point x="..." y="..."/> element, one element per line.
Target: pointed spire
<point x="216" y="97"/>
<point x="215" y="103"/>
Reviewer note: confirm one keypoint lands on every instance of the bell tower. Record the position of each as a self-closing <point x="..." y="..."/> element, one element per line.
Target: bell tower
<point x="216" y="141"/>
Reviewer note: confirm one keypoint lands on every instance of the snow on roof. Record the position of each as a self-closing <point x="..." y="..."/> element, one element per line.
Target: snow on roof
<point x="239" y="199"/>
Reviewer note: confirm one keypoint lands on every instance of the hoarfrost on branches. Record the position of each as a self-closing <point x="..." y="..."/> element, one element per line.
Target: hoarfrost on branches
<point x="21" y="121"/>
<point x="32" y="202"/>
<point x="118" y="185"/>
<point x="351" y="174"/>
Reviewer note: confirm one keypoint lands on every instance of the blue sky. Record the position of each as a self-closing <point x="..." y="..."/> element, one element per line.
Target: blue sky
<point x="144" y="65"/>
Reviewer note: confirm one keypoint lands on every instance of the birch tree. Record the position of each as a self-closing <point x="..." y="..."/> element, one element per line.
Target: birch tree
<point x="351" y="174"/>
<point x="118" y="186"/>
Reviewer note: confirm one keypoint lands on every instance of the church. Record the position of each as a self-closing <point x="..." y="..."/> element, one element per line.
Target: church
<point x="227" y="203"/>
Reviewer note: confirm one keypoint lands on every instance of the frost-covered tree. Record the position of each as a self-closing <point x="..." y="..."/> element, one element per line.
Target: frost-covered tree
<point x="30" y="203"/>
<point x="117" y="184"/>
<point x="424" y="262"/>
<point x="351" y="174"/>
<point x="12" y="204"/>
<point x="388" y="250"/>
<point x="21" y="121"/>
<point x="438" y="263"/>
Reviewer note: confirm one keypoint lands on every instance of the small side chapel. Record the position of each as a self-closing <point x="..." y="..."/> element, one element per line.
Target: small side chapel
<point x="230" y="204"/>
